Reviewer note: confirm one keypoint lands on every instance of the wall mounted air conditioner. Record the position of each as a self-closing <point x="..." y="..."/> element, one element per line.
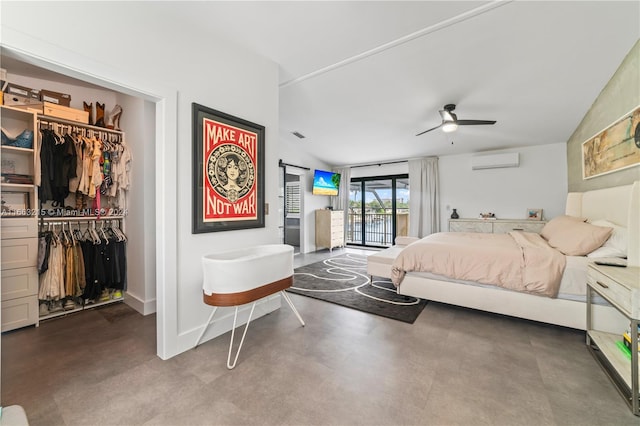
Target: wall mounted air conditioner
<point x="495" y="161"/>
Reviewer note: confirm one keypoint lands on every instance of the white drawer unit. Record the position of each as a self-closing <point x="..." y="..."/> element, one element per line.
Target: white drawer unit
<point x="19" y="225"/>
<point x="21" y="282"/>
<point x="470" y="226"/>
<point x="495" y="226"/>
<point x="19" y="253"/>
<point x="19" y="228"/>
<point x="19" y="312"/>
<point x="329" y="229"/>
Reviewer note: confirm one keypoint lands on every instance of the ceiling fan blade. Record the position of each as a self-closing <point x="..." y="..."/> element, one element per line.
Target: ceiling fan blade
<point x="422" y="133"/>
<point x="474" y="122"/>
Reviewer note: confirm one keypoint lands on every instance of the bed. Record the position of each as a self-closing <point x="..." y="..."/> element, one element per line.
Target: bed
<point x="617" y="205"/>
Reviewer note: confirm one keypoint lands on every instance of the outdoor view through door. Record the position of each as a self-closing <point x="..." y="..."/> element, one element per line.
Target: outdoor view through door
<point x="378" y="210"/>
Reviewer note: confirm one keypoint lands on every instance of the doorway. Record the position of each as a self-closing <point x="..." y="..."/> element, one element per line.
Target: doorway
<point x="378" y="210"/>
<point x="146" y="244"/>
<point x="292" y="211"/>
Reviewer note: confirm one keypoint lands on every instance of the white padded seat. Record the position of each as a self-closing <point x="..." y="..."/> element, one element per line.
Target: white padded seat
<point x="379" y="264"/>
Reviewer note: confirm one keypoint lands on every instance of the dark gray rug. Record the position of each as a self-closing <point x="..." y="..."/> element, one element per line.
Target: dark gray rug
<point x="343" y="280"/>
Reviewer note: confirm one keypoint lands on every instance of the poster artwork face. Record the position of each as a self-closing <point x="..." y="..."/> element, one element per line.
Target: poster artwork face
<point x="230" y="172"/>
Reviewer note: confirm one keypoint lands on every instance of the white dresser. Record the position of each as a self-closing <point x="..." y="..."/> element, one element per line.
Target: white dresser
<point x="329" y="229"/>
<point x="495" y="226"/>
<point x="19" y="273"/>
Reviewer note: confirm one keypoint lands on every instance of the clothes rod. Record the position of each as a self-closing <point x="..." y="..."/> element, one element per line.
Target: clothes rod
<point x="283" y="164"/>
<point x="55" y="120"/>
<point x="79" y="218"/>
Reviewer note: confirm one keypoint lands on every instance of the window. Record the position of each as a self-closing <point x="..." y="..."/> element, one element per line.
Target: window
<point x="378" y="210"/>
<point x="293" y="198"/>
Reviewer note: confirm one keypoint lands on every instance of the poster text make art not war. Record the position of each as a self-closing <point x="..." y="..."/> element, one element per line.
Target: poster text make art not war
<point x="230" y="172"/>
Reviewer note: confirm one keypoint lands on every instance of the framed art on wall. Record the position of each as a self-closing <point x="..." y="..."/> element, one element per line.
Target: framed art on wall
<point x="534" y="214"/>
<point x="228" y="172"/>
<point x="615" y="148"/>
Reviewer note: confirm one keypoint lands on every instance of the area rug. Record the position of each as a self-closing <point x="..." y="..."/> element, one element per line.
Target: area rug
<point x="343" y="280"/>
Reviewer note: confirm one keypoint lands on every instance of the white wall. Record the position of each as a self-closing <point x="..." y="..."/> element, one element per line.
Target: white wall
<point x="146" y="54"/>
<point x="539" y="182"/>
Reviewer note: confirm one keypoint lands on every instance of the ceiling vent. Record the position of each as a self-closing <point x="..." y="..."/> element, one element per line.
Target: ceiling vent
<point x="495" y="161"/>
<point x="298" y="134"/>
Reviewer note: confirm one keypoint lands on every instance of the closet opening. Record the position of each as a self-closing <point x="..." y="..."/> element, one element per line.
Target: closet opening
<point x="126" y="116"/>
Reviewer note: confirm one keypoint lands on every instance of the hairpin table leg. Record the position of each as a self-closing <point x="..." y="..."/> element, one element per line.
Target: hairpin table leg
<point x="206" y="326"/>
<point x="293" y="308"/>
<point x="233" y="330"/>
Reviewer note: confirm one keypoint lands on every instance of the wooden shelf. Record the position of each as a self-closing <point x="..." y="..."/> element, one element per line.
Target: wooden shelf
<point x="606" y="342"/>
<point x="17" y="149"/>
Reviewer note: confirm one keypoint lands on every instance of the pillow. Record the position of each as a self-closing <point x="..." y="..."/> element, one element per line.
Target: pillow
<point x="616" y="245"/>
<point x="574" y="237"/>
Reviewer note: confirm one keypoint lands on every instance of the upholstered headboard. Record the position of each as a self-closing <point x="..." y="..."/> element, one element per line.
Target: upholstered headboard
<point x="619" y="204"/>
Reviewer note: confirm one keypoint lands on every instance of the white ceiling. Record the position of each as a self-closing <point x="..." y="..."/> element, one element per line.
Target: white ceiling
<point x="359" y="79"/>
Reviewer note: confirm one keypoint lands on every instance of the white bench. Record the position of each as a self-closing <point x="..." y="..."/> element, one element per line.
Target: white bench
<point x="379" y="264"/>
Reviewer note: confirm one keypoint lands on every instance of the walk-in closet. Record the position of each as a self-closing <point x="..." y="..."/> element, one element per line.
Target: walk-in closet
<point x="77" y="196"/>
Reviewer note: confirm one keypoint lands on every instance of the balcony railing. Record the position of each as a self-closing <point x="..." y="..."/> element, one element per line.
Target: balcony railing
<point x="378" y="229"/>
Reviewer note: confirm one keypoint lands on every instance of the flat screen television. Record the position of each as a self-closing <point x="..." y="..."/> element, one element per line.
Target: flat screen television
<point x="325" y="183"/>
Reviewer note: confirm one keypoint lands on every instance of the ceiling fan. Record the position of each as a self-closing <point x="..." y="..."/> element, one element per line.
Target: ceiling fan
<point x="450" y="121"/>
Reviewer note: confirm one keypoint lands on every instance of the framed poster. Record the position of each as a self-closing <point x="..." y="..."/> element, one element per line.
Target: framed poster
<point x="534" y="214"/>
<point x="228" y="172"/>
<point x="615" y="148"/>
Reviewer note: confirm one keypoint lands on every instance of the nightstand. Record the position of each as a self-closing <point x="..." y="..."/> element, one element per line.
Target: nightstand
<point x="620" y="287"/>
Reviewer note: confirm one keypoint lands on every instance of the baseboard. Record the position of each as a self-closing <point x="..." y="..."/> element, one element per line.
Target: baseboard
<point x="144" y="307"/>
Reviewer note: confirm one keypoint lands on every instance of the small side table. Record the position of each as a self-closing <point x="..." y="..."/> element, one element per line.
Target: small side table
<point x="620" y="287"/>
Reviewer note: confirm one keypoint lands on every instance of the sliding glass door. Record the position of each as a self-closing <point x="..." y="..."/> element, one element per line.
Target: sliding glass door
<point x="378" y="210"/>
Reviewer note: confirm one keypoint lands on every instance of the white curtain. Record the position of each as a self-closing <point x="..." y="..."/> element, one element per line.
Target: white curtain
<point x="341" y="202"/>
<point x="424" y="197"/>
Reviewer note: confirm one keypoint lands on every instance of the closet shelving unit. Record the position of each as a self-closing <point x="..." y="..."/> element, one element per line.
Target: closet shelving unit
<point x="19" y="233"/>
<point x="104" y="134"/>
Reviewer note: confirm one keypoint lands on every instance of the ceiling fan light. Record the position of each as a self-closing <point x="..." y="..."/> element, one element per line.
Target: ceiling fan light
<point x="449" y="127"/>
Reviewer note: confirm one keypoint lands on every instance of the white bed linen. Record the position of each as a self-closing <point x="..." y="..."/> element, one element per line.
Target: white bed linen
<point x="573" y="285"/>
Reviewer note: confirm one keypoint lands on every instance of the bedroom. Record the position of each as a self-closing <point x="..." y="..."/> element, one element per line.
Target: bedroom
<point x="234" y="89"/>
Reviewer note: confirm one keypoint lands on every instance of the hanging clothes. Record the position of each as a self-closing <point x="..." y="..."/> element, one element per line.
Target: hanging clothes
<point x="49" y="140"/>
<point x="44" y="248"/>
<point x="52" y="280"/>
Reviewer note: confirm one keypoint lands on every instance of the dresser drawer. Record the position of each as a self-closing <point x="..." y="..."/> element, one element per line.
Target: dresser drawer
<point x="485" y="227"/>
<point x="19" y="282"/>
<point x="19" y="253"/>
<point x="19" y="228"/>
<point x="19" y="312"/>
<point x="505" y="227"/>
<point x="610" y="289"/>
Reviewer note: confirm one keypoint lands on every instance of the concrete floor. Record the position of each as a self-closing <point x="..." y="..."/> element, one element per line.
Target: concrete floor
<point x="453" y="366"/>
